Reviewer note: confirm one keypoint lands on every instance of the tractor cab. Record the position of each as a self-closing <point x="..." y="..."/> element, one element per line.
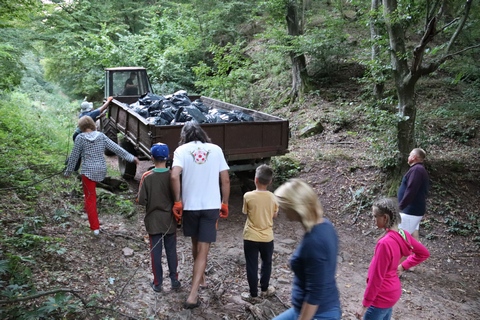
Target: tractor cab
<point x="126" y="84"/>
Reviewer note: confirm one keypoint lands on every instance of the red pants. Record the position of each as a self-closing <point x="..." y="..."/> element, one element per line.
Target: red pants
<point x="90" y="194"/>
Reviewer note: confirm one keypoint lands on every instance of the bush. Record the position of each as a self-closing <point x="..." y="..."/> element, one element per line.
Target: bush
<point x="284" y="168"/>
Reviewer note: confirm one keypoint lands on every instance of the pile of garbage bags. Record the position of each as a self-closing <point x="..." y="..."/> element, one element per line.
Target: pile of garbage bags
<point x="177" y="107"/>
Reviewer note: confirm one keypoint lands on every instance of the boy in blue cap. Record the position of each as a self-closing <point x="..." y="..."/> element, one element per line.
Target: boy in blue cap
<point x="155" y="194"/>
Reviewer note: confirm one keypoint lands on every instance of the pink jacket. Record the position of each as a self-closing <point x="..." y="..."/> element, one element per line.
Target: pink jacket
<point x="383" y="285"/>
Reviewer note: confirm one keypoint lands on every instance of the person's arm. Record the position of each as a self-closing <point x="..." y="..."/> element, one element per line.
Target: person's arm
<point x="175" y="183"/>
<point x="245" y="205"/>
<point x="225" y="186"/>
<point x="275" y="213"/>
<point x="376" y="273"/>
<point x="142" y="192"/>
<point x="420" y="254"/>
<point x="105" y="105"/>
<point x="308" y="311"/>
<point x="74" y="156"/>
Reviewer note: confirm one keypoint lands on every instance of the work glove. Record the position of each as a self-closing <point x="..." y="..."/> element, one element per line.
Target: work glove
<point x="178" y="210"/>
<point x="224" y="211"/>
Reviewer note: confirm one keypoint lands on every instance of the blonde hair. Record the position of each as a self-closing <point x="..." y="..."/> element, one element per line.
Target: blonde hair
<point x="298" y="196"/>
<point x="86" y="122"/>
<point x="389" y="208"/>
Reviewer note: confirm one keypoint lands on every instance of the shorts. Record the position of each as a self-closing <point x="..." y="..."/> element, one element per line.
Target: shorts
<point x="201" y="224"/>
<point x="410" y="223"/>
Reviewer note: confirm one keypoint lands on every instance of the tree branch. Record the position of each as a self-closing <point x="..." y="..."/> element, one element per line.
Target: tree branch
<point x="41" y="294"/>
<point x="454" y="37"/>
<point x="420" y="49"/>
<point x="434" y="65"/>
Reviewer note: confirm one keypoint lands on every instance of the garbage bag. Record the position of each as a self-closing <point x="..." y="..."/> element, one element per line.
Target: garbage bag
<point x="142" y="112"/>
<point x="200" y="106"/>
<point x="180" y="98"/>
<point x="195" y="113"/>
<point x="149" y="98"/>
<point x="159" y="121"/>
<point x="168" y="114"/>
<point x="242" y="116"/>
<point x="155" y="105"/>
<point x="211" y="118"/>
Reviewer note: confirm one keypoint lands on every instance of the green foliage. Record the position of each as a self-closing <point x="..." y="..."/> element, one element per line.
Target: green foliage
<point x="284" y="168"/>
<point x="226" y="76"/>
<point x="14" y="19"/>
<point x="59" y="305"/>
<point x="381" y="125"/>
<point x="115" y="204"/>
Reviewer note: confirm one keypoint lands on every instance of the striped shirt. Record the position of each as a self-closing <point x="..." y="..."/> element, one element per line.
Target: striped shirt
<point x="90" y="146"/>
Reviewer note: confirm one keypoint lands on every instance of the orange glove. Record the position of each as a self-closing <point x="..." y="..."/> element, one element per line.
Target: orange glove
<point x="224" y="211"/>
<point x="177" y="210"/>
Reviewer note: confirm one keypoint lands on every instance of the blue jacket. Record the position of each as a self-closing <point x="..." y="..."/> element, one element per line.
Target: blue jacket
<point x="314" y="263"/>
<point x="413" y="191"/>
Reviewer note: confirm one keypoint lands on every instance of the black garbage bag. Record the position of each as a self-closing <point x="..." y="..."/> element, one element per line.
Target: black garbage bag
<point x="195" y="113"/>
<point x="159" y="121"/>
<point x="182" y="115"/>
<point x="242" y="116"/>
<point x="155" y="106"/>
<point x="200" y="106"/>
<point x="168" y="114"/>
<point x="180" y="98"/>
<point x="141" y="112"/>
<point x="155" y="113"/>
<point x="148" y="98"/>
<point x="135" y="105"/>
<point x="223" y="115"/>
<point x="211" y="118"/>
<point x="168" y="104"/>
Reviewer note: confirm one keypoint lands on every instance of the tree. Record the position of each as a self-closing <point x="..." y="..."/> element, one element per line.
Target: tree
<point x="397" y="15"/>
<point x="295" y="27"/>
<point x="14" y="19"/>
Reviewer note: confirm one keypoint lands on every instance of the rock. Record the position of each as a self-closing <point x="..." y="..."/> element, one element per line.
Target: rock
<point x="127" y="252"/>
<point x="287" y="241"/>
<point x="311" y="130"/>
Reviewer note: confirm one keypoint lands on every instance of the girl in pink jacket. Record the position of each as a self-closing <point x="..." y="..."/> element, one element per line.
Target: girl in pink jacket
<point x="383" y="283"/>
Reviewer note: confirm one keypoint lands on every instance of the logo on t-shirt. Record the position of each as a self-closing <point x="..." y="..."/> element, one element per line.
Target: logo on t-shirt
<point x="200" y="156"/>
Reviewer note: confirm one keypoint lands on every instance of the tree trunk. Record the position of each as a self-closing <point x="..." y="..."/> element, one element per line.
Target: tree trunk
<point x="407" y="110"/>
<point x="299" y="65"/>
<point x="404" y="82"/>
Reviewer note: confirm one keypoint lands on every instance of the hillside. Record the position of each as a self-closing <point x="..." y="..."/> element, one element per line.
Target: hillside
<point x="339" y="163"/>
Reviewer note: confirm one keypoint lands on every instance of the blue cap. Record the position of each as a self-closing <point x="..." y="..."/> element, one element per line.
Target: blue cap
<point x="160" y="151"/>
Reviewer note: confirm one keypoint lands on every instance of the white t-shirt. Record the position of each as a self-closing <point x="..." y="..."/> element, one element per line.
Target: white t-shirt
<point x="201" y="165"/>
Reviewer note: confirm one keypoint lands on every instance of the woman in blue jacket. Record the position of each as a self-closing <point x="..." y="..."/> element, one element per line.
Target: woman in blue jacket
<point x="314" y="261"/>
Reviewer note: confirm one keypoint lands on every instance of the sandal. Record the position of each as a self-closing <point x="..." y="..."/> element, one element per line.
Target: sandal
<point x="188" y="305"/>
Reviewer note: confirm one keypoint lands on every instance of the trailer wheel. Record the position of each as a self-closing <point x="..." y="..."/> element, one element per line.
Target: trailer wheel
<point x="110" y="130"/>
<point x="127" y="169"/>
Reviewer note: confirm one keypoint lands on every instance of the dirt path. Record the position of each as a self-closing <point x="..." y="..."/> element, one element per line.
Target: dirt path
<point x="444" y="287"/>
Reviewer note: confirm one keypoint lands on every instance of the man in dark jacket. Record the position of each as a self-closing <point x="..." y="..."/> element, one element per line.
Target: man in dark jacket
<point x="413" y="191"/>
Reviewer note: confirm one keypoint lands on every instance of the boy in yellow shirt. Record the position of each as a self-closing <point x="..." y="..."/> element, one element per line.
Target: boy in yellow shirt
<point x="261" y="207"/>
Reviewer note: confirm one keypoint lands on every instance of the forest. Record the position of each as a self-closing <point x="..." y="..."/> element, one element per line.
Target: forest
<point x="378" y="78"/>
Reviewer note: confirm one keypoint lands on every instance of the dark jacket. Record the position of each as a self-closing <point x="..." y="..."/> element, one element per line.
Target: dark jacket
<point x="413" y="191"/>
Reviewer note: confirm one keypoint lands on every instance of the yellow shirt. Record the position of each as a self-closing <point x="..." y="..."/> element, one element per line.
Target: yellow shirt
<point x="260" y="208"/>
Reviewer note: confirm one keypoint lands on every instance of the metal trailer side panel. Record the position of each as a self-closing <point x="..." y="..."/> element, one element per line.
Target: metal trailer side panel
<point x="241" y="142"/>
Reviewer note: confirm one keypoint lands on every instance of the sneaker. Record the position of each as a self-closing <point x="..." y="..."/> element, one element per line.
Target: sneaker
<point x="156" y="288"/>
<point x="176" y="284"/>
<point x="270" y="292"/>
<point x="247" y="297"/>
<point x="96" y="232"/>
